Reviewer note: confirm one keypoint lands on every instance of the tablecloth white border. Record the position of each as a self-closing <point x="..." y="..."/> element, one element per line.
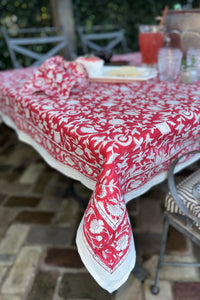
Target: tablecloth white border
<point x="70" y="172"/>
<point x="110" y="282"/>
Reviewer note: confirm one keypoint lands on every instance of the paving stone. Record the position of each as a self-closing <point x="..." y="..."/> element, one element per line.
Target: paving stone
<point x="22" y="272"/>
<point x="32" y="173"/>
<point x="147" y="243"/>
<point x="82" y="191"/>
<point x="132" y="288"/>
<point x="150" y="216"/>
<point x="7" y="215"/>
<point x="134" y="223"/>
<point x="63" y="257"/>
<point x="41" y="183"/>
<point x="10" y="297"/>
<point x="50" y="203"/>
<point x="35" y="217"/>
<point x="43" y="286"/>
<point x="164" y="294"/>
<point x="5" y="169"/>
<point x="172" y="273"/>
<point x="186" y="290"/>
<point x="18" y="155"/>
<point x="22" y="201"/>
<point x="67" y="213"/>
<point x="133" y="206"/>
<point x="17" y="189"/>
<point x="6" y="259"/>
<point x="2" y="198"/>
<point x="50" y="235"/>
<point x="3" y="270"/>
<point x="176" y="241"/>
<point x="82" y="286"/>
<point x="14" y="239"/>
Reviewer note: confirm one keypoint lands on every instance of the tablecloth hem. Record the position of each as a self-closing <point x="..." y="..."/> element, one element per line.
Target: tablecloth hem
<point x="64" y="169"/>
<point x="109" y="282"/>
<point x="158" y="179"/>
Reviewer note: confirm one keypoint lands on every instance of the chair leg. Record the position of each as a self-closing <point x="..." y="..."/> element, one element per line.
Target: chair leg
<point x="154" y="287"/>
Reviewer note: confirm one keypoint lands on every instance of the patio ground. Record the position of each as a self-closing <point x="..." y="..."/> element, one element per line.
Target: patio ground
<point x="38" y="255"/>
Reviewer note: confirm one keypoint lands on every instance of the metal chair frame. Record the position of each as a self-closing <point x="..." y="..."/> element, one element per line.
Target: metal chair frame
<point x="18" y="44"/>
<point x="183" y="223"/>
<point x="112" y="36"/>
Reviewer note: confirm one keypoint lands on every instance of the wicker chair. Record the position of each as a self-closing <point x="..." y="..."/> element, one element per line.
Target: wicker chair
<point x="182" y="212"/>
<point x="27" y="41"/>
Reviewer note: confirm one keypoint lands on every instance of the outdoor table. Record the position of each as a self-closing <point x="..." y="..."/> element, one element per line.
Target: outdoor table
<point x="118" y="139"/>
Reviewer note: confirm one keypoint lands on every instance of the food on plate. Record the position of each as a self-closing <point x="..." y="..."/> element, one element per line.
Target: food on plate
<point x="93" y="64"/>
<point x="125" y="71"/>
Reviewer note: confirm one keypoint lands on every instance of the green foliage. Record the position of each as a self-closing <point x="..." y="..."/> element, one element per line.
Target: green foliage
<point x="20" y="13"/>
<point x="37" y="13"/>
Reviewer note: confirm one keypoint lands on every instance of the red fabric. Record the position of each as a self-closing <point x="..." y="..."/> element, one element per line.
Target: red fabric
<point x="120" y="136"/>
<point x="56" y="78"/>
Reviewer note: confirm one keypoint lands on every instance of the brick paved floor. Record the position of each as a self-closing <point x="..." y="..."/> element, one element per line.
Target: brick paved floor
<point x="38" y="255"/>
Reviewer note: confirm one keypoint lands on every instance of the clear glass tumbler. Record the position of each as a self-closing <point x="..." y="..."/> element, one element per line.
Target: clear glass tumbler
<point x="169" y="63"/>
<point x="193" y="59"/>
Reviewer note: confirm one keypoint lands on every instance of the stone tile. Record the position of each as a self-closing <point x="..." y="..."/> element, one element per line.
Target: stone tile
<point x="50" y="203"/>
<point x="5" y="169"/>
<point x="42" y="183"/>
<point x="82" y="286"/>
<point x="3" y="270"/>
<point x="13" y="239"/>
<point x="133" y="206"/>
<point x="172" y="273"/>
<point x="22" y="272"/>
<point x="186" y="290"/>
<point x="22" y="201"/>
<point x="2" y="198"/>
<point x="147" y="243"/>
<point x="10" y="297"/>
<point x="43" y="286"/>
<point x="6" y="259"/>
<point x="50" y="235"/>
<point x="68" y="212"/>
<point x="63" y="257"/>
<point x="17" y="156"/>
<point x="17" y="189"/>
<point x="7" y="215"/>
<point x="134" y="223"/>
<point x="164" y="294"/>
<point x="82" y="190"/>
<point x="31" y="174"/>
<point x="149" y="208"/>
<point x="35" y="217"/>
<point x="176" y="241"/>
<point x="132" y="288"/>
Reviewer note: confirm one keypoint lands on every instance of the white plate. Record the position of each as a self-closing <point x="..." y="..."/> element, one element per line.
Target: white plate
<point x="146" y="73"/>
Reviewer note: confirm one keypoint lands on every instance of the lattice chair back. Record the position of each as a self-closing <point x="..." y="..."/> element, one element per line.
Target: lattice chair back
<point x="182" y="205"/>
<point x="28" y="43"/>
<point x="102" y="38"/>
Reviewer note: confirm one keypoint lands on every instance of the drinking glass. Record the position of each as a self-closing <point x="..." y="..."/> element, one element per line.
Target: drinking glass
<point x="169" y="63"/>
<point x="193" y="59"/>
<point x="151" y="38"/>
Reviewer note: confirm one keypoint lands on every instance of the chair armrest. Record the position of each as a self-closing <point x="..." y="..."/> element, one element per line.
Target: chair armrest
<point x="173" y="190"/>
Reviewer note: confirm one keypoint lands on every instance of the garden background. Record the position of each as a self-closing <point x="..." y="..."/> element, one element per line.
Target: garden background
<point x="37" y="13"/>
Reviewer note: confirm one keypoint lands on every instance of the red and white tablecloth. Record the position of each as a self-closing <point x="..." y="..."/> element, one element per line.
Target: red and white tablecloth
<point x="117" y="139"/>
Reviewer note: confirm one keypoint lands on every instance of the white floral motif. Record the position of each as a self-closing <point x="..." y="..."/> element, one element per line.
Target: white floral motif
<point x="122" y="243"/>
<point x="121" y="144"/>
<point x="115" y="210"/>
<point x="96" y="226"/>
